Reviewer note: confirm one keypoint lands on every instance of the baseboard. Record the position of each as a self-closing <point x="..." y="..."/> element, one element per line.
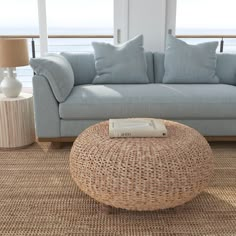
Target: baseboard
<point x="72" y="139"/>
<point x="59" y="139"/>
<point x="220" y="138"/>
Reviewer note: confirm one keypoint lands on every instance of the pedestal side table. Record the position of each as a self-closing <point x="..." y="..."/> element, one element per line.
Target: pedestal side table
<point x="16" y="121"/>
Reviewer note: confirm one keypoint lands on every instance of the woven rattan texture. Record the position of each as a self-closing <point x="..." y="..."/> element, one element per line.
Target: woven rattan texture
<point x="39" y="198"/>
<point x="141" y="173"/>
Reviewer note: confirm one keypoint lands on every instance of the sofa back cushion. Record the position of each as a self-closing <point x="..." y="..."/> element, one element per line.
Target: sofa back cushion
<point x="83" y="65"/>
<point x="159" y="68"/>
<point x="120" y="64"/>
<point x="150" y="66"/>
<point x="190" y="64"/>
<point x="225" y="67"/>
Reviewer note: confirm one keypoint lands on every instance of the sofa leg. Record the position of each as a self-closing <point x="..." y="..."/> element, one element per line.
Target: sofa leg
<point x="56" y="145"/>
<point x="107" y="209"/>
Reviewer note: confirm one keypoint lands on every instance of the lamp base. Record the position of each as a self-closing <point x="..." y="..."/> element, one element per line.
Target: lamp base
<point x="10" y="86"/>
<point x="0" y="84"/>
<point x="1" y="77"/>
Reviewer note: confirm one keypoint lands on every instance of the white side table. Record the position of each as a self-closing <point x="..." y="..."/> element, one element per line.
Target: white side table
<point x="16" y="121"/>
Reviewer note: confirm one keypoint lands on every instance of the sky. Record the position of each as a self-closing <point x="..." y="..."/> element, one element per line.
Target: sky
<point x="60" y="13"/>
<point x="76" y="14"/>
<point x="206" y="14"/>
<point x="80" y="13"/>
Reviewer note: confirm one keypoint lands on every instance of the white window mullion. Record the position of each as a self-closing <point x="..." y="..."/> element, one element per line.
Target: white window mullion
<point x="171" y="8"/>
<point x="121" y="21"/>
<point x="43" y="32"/>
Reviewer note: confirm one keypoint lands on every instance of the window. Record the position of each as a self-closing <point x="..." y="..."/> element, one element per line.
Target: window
<point x="17" y="19"/>
<point x="78" y="17"/>
<point x="196" y="18"/>
<point x="64" y="17"/>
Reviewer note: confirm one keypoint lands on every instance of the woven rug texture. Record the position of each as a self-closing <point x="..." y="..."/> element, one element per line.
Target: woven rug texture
<point x="39" y="197"/>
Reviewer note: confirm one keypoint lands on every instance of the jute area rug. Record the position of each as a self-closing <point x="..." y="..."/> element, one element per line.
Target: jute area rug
<point x="38" y="197"/>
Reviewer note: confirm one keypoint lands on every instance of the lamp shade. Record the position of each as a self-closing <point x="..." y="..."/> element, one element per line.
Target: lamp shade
<point x="13" y="52"/>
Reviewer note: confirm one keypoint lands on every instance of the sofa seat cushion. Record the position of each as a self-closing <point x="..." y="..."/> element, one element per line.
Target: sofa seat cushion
<point x="170" y="101"/>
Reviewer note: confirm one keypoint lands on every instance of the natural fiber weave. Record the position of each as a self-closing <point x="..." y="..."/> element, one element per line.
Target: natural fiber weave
<point x="39" y="198"/>
<point x="141" y="173"/>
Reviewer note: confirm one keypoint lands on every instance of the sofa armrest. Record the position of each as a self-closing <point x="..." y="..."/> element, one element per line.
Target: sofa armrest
<point x="58" y="72"/>
<point x="46" y="109"/>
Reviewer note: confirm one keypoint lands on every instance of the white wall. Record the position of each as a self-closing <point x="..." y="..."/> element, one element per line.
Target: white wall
<point x="152" y="18"/>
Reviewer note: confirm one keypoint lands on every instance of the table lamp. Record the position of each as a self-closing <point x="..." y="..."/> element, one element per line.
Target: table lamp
<point x="13" y="53"/>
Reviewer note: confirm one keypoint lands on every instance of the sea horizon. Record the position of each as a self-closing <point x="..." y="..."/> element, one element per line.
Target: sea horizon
<point x="84" y="44"/>
<point x="106" y="31"/>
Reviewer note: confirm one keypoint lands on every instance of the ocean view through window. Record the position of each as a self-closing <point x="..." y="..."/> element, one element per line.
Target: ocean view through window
<point x="194" y="18"/>
<point x="16" y="20"/>
<point x="69" y="17"/>
<point x="93" y="17"/>
<point x="78" y="17"/>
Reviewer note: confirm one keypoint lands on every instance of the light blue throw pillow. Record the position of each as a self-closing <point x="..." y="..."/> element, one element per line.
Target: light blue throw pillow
<point x="58" y="72"/>
<point x="190" y="64"/>
<point x="123" y="64"/>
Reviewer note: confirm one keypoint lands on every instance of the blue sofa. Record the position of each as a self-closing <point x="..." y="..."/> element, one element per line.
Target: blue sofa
<point x="209" y="108"/>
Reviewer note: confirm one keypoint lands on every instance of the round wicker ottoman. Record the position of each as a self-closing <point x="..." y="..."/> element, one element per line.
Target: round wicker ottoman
<point x="141" y="173"/>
